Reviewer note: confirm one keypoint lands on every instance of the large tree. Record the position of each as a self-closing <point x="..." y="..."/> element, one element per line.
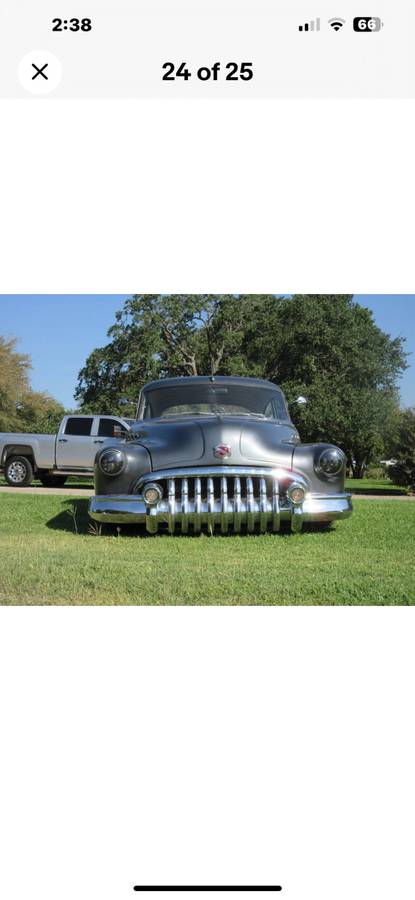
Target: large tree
<point x="21" y="408"/>
<point x="14" y="381"/>
<point x="330" y="348"/>
<point x="327" y="346"/>
<point x="156" y="336"/>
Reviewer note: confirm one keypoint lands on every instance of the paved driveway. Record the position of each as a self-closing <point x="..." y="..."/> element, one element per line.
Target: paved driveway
<point x="66" y="492"/>
<point x="386" y="496"/>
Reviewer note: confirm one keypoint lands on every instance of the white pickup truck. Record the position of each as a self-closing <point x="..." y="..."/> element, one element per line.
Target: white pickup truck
<point x="50" y="457"/>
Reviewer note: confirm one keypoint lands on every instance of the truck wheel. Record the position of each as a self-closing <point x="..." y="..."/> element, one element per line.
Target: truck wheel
<point x="53" y="480"/>
<point x="18" y="471"/>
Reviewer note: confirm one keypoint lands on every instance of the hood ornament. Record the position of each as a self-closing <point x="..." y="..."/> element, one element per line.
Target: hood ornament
<point x="222" y="451"/>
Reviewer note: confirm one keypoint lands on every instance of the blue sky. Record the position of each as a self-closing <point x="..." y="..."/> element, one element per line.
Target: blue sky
<point x="59" y="331"/>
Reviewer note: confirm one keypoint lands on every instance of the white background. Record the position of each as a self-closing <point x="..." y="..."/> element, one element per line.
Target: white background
<point x="207" y="745"/>
<point x="216" y="196"/>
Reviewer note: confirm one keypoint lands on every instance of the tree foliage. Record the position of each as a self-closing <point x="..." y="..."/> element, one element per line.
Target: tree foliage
<point x="326" y="346"/>
<point x="403" y="473"/>
<point x="330" y="348"/>
<point x="21" y="408"/>
<point x="157" y="336"/>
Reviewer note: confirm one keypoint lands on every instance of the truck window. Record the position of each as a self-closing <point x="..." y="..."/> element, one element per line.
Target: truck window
<point x="80" y="425"/>
<point x="106" y="427"/>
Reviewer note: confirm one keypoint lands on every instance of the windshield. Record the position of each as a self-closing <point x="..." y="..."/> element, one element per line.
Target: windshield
<point x="207" y="399"/>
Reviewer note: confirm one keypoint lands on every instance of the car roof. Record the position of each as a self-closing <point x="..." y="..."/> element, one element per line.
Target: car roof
<point x="206" y="379"/>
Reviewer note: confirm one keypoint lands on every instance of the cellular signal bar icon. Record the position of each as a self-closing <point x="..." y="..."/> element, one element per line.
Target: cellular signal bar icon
<point x="314" y="25"/>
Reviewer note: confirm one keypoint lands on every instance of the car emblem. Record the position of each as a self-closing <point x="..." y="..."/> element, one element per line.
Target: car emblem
<point x="222" y="451"/>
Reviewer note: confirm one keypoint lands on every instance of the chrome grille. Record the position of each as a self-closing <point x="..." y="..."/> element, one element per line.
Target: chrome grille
<point x="217" y="501"/>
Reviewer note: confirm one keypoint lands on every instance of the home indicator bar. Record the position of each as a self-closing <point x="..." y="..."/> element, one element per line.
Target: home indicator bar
<point x="209" y="887"/>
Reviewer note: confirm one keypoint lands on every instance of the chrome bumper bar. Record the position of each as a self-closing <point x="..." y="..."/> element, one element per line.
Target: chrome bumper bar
<point x="249" y="513"/>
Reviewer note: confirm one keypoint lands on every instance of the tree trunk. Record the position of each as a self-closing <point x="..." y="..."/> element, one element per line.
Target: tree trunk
<point x="359" y="468"/>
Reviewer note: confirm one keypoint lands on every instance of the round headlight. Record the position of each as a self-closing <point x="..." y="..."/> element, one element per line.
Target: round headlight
<point x="296" y="493"/>
<point x="111" y="462"/>
<point x="152" y="493"/>
<point x="330" y="461"/>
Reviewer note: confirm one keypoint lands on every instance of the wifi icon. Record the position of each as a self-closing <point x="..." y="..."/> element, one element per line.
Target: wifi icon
<point x="337" y="24"/>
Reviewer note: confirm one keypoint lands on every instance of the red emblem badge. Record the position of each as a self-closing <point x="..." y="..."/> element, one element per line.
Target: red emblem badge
<point x="222" y="451"/>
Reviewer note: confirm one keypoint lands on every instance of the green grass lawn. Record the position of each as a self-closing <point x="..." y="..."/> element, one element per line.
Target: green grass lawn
<point x="368" y="559"/>
<point x="373" y="486"/>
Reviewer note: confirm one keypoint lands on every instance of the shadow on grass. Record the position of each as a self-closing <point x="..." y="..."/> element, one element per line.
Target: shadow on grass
<point x="379" y="492"/>
<point x="73" y="517"/>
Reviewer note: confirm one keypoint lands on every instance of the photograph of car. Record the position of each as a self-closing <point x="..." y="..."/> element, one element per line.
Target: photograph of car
<point x="207" y="449"/>
<point x="217" y="452"/>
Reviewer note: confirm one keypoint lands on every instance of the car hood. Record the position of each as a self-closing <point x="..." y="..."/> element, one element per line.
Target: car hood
<point x="192" y="442"/>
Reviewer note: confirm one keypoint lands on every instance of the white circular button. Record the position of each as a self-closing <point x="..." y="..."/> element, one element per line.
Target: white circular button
<point x="39" y="72"/>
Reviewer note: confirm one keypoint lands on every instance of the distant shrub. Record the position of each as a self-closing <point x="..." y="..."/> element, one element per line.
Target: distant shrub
<point x="404" y="473"/>
<point x="377" y="473"/>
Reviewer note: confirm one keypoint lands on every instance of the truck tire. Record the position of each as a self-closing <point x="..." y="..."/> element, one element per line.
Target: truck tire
<point x="18" y="471"/>
<point x="52" y="480"/>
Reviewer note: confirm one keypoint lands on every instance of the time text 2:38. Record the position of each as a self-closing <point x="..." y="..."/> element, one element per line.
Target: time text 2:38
<point x="230" y="71"/>
<point x="71" y="25"/>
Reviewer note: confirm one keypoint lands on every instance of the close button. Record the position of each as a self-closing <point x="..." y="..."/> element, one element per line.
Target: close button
<point x="39" y="72"/>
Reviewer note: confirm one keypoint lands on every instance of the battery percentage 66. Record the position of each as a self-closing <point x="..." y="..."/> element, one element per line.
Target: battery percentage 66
<point x="367" y="23"/>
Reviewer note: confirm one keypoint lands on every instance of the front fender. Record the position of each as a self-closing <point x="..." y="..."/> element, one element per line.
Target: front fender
<point x="137" y="463"/>
<point x="305" y="458"/>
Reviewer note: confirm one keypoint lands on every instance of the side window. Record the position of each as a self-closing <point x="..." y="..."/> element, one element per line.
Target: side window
<point x="79" y="425"/>
<point x="106" y="427"/>
<point x="280" y="410"/>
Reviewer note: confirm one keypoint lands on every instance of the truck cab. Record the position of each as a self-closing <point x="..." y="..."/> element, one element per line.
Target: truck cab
<point x="51" y="458"/>
<point x="80" y="437"/>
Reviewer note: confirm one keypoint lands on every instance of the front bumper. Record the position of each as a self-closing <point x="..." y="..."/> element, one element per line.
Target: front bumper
<point x="224" y="514"/>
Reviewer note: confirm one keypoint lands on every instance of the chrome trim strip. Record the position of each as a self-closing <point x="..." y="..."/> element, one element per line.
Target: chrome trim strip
<point x="237" y="505"/>
<point x="210" y="496"/>
<point x="171" y="521"/>
<point x="263" y="505"/>
<point x="224" y="518"/>
<point x="250" y="502"/>
<point x="197" y="518"/>
<point x="185" y="506"/>
<point x="276" y="516"/>
<point x="297" y="518"/>
<point x="152" y="522"/>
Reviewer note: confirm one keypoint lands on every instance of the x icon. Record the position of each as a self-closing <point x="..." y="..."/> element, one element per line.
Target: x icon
<point x="40" y="71"/>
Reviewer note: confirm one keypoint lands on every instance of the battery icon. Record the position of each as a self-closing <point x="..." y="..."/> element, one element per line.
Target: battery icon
<point x="367" y="23"/>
